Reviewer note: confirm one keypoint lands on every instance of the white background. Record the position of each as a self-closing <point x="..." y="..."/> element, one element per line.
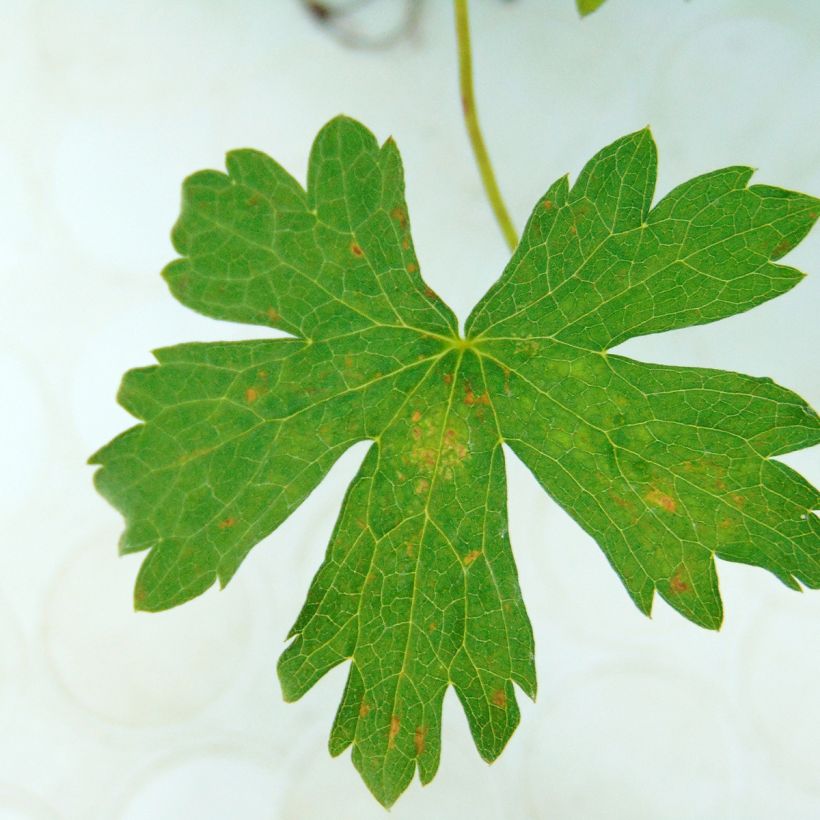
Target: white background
<point x="106" y="106"/>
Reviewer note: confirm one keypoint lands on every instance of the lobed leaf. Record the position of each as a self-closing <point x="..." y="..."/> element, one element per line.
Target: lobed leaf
<point x="666" y="468"/>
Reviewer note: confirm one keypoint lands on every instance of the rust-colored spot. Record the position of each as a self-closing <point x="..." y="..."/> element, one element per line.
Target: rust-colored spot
<point x="410" y="549"/>
<point x="500" y="698"/>
<point x="738" y="500"/>
<point x="547" y="204"/>
<point x="412" y="267"/>
<point x="262" y="375"/>
<point x="419" y="737"/>
<point x="448" y="378"/>
<point x="432" y="626"/>
<point x="471" y="556"/>
<point x="226" y="523"/>
<point x="725" y="523"/>
<point x="431" y="294"/>
<point x="474" y="398"/>
<point x="416" y="433"/>
<point x="273" y="314"/>
<point x="253" y="200"/>
<point x="364" y="709"/>
<point x="782" y="247"/>
<point x="200" y="451"/>
<point x="393" y="731"/>
<point x="251" y="395"/>
<point x="573" y="230"/>
<point x="661" y="499"/>
<point x="416" y="416"/>
<point x="405" y="243"/>
<point x="356" y="249"/>
<point x="348" y="361"/>
<point x="399" y="215"/>
<point x="677" y="584"/>
<point x="422" y="486"/>
<point x="621" y="501"/>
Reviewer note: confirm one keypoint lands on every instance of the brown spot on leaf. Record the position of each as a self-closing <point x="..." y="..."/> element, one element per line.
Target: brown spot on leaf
<point x="471" y="556"/>
<point x="738" y="500"/>
<point x="547" y="204"/>
<point x="356" y="249"/>
<point x="448" y="378"/>
<point x="419" y="738"/>
<point x="435" y="451"/>
<point x="405" y="243"/>
<point x="621" y="501"/>
<point x="473" y="398"/>
<point x="364" y="709"/>
<point x="251" y="395"/>
<point x="412" y="267"/>
<point x="186" y="457"/>
<point x="662" y="500"/>
<point x="253" y="200"/>
<point x="432" y="626"/>
<point x="573" y="230"/>
<point x="348" y="361"/>
<point x="273" y="314"/>
<point x="500" y="698"/>
<point x="677" y="584"/>
<point x="422" y="486"/>
<point x="262" y="375"/>
<point x="431" y="294"/>
<point x="226" y="523"/>
<point x="782" y="247"/>
<point x="399" y="215"/>
<point x="416" y="416"/>
<point x="393" y="731"/>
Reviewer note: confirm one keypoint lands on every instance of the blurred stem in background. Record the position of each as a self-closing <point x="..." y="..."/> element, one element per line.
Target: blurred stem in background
<point x="485" y="168"/>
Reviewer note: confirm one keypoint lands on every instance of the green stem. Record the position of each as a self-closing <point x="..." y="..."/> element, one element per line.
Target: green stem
<point x="482" y="158"/>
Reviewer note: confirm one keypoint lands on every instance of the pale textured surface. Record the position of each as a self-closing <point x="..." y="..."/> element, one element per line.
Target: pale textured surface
<point x="107" y="714"/>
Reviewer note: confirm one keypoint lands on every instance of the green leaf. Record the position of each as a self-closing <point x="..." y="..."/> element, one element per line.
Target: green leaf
<point x="588" y="6"/>
<point x="665" y="467"/>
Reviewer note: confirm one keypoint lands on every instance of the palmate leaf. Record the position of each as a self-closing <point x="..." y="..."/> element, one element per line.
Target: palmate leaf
<point x="666" y="467"/>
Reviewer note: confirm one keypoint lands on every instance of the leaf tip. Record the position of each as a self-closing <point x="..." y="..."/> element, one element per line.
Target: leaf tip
<point x="586" y="7"/>
<point x="140" y="599"/>
<point x="290" y="691"/>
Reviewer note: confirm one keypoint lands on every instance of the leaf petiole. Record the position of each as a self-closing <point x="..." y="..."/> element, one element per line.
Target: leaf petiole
<point x="485" y="168"/>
